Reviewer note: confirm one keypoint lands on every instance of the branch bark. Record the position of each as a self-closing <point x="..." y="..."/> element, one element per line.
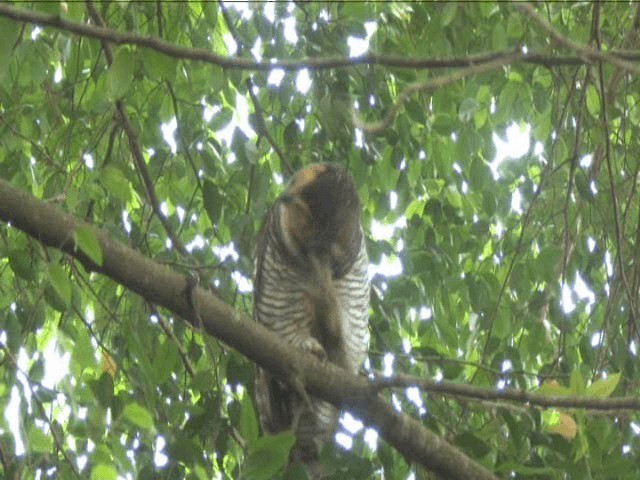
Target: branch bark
<point x="158" y="284"/>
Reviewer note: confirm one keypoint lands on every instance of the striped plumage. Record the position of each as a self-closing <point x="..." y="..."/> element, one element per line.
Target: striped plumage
<point x="311" y="288"/>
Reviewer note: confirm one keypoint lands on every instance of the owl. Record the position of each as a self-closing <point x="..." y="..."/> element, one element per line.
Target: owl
<point x="311" y="288"/>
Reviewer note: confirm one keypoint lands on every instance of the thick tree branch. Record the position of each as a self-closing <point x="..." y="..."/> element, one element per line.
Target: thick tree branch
<point x="158" y="284"/>
<point x="203" y="55"/>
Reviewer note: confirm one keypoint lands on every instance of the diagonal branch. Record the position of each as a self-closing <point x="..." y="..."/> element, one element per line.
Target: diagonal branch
<point x="158" y="284"/>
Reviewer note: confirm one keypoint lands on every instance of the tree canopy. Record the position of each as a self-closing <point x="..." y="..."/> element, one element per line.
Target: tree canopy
<point x="496" y="149"/>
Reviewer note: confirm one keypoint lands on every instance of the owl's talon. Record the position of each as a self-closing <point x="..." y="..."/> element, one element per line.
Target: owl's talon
<point x="312" y="345"/>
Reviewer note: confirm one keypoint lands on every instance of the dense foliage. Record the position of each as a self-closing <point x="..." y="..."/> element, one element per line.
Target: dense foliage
<point x="490" y="271"/>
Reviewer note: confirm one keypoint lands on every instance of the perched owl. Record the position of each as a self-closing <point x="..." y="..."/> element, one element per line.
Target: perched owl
<point x="311" y="289"/>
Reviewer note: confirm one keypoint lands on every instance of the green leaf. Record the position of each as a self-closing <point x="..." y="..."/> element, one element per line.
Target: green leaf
<point x="480" y="118"/>
<point x="88" y="244"/>
<point x="166" y="359"/>
<point x="479" y="176"/>
<point x="269" y="455"/>
<point x="251" y="152"/>
<point x="9" y="31"/>
<point x="355" y="10"/>
<point x="221" y="119"/>
<point x="248" y="421"/>
<point x="502" y="325"/>
<point x="103" y="390"/>
<point x="104" y="472"/>
<point x="453" y="197"/>
<point x="138" y="416"/>
<point x="499" y="39"/>
<point x="74" y="11"/>
<point x="116" y="183"/>
<point x="553" y="389"/>
<point x="290" y="133"/>
<point x="467" y="109"/>
<point x="213" y="201"/>
<point x="415" y="208"/>
<point x="159" y="66"/>
<point x="36" y="372"/>
<point x="551" y="417"/>
<point x="52" y="8"/>
<point x="448" y="13"/>
<point x="54" y="300"/>
<point x="120" y="75"/>
<point x="60" y="282"/>
<point x="593" y="100"/>
<point x="514" y="27"/>
<point x="547" y="263"/>
<point x="202" y="381"/>
<point x="20" y="263"/>
<point x="83" y="354"/>
<point x="38" y="441"/>
<point x="542" y="125"/>
<point x="434" y="186"/>
<point x="577" y="384"/>
<point x="603" y="387"/>
<point x="472" y="443"/>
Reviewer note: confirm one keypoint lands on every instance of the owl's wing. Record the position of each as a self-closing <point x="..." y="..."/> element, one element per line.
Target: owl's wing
<point x="353" y="292"/>
<point x="261" y="250"/>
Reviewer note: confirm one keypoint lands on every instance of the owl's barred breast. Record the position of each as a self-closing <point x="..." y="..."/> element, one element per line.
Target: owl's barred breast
<point x="311" y="288"/>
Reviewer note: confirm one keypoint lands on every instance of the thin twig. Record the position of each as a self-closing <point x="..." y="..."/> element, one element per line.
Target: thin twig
<point x="566" y="248"/>
<point x="432" y="84"/>
<point x="588" y="53"/>
<point x="59" y="443"/>
<point x="614" y="197"/>
<point x="168" y="330"/>
<point x="507" y="394"/>
<point x="262" y="127"/>
<point x="136" y="150"/>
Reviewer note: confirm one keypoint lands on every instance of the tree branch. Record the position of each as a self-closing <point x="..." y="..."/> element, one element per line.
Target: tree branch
<point x="35" y="395"/>
<point x="203" y="55"/>
<point x="157" y="284"/>
<point x="508" y="394"/>
<point x="136" y="150"/>
<point x="584" y="51"/>
<point x="433" y="84"/>
<point x="259" y="113"/>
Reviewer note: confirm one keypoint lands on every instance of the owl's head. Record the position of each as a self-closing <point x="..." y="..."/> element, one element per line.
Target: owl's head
<point x="321" y="211"/>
